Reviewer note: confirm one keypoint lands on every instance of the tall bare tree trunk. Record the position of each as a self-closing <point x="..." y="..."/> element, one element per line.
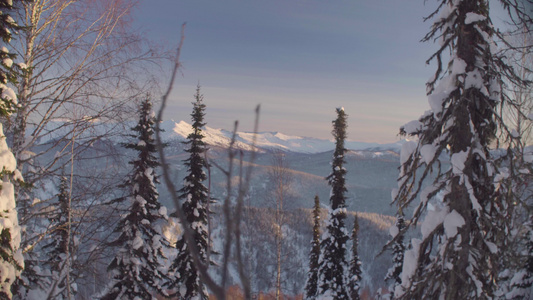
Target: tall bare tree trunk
<point x="280" y="178"/>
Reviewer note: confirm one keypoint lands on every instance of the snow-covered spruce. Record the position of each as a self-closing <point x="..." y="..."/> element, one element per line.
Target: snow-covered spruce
<point x="136" y="271"/>
<point x="185" y="280"/>
<point x="332" y="262"/>
<point x="354" y="275"/>
<point x="458" y="253"/>
<point x="398" y="249"/>
<point x="311" y="286"/>
<point x="58" y="251"/>
<point x="521" y="279"/>
<point x="11" y="260"/>
<point x="512" y="181"/>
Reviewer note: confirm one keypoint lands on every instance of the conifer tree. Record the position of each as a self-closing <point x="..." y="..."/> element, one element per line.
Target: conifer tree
<point x="354" y="281"/>
<point x="59" y="249"/>
<point x="11" y="260"/>
<point x="186" y="281"/>
<point x="513" y="185"/>
<point x="398" y="249"/>
<point x="311" y="287"/>
<point x="522" y="279"/>
<point x="136" y="270"/>
<point x="457" y="255"/>
<point x="332" y="263"/>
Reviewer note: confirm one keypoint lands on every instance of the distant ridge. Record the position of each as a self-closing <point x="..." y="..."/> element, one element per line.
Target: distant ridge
<point x="178" y="131"/>
<point x="266" y="141"/>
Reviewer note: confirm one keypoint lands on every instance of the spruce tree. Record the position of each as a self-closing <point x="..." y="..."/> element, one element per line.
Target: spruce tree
<point x="457" y="255"/>
<point x="58" y="251"/>
<point x="11" y="260"/>
<point x="522" y="279"/>
<point x="398" y="249"/>
<point x="311" y="287"/>
<point x="332" y="263"/>
<point x="515" y="241"/>
<point x="136" y="270"/>
<point x="354" y="281"/>
<point x="186" y="282"/>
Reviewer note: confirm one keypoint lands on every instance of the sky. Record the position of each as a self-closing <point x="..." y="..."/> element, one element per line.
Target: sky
<point x="298" y="59"/>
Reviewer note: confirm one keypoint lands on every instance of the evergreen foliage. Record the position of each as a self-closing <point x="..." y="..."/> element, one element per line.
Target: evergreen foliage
<point x="354" y="281"/>
<point x="513" y="184"/>
<point x="58" y="250"/>
<point x="8" y="72"/>
<point x="187" y="283"/>
<point x="457" y="257"/>
<point x="527" y="280"/>
<point x="11" y="260"/>
<point x="398" y="250"/>
<point x="311" y="287"/>
<point x="136" y="270"/>
<point x="522" y="279"/>
<point x="332" y="263"/>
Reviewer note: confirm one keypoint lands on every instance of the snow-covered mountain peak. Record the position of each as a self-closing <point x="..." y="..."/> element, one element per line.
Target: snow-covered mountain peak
<point x="182" y="128"/>
<point x="265" y="141"/>
<point x="284" y="137"/>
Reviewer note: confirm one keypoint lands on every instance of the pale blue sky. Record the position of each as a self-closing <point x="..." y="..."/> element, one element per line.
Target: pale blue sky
<point x="299" y="59"/>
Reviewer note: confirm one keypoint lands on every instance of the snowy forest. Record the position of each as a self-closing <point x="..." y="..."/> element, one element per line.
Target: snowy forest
<point x="101" y="198"/>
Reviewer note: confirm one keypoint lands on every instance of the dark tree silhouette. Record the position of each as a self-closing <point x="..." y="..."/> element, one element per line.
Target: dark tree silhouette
<point x="186" y="281"/>
<point x="333" y="263"/>
<point x="136" y="269"/>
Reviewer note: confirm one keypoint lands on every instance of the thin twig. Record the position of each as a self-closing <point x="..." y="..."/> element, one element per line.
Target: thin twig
<point x="243" y="190"/>
<point x="227" y="209"/>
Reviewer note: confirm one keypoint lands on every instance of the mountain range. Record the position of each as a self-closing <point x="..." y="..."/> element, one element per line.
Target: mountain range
<point x="216" y="137"/>
<point x="268" y="141"/>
